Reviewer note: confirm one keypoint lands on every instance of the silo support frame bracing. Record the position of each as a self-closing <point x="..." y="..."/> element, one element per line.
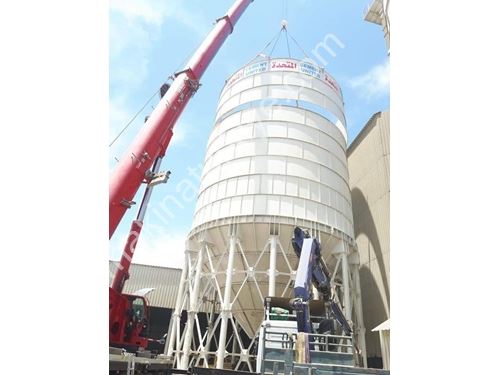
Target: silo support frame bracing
<point x="226" y="307"/>
<point x="203" y="283"/>
<point x="192" y="313"/>
<point x="174" y="326"/>
<point x="273" y="244"/>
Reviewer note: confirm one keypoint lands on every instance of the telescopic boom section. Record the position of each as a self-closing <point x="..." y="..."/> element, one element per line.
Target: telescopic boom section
<point x="152" y="141"/>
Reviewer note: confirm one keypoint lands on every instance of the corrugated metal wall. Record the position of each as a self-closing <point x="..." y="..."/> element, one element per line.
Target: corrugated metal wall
<point x="369" y="177"/>
<point x="164" y="280"/>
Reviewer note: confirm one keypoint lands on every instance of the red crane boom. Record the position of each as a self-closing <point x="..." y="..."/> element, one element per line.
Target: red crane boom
<point x="128" y="314"/>
<point x="153" y="139"/>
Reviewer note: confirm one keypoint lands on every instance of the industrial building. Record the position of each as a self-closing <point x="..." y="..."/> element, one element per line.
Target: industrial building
<point x="368" y="157"/>
<point x="378" y="12"/>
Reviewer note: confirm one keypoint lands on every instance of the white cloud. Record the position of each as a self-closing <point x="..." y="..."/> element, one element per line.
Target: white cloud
<point x="374" y="83"/>
<point x="126" y="33"/>
<point x="164" y="250"/>
<point x="134" y="27"/>
<point x="157" y="12"/>
<point x="131" y="72"/>
<point x="148" y="11"/>
<point x="181" y="132"/>
<point x="130" y="43"/>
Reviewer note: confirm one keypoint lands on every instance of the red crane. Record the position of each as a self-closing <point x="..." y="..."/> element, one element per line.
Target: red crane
<point x="128" y="313"/>
<point x="152" y="141"/>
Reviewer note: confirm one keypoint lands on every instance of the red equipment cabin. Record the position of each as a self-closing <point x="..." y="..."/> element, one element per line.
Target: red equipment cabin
<point x="129" y="321"/>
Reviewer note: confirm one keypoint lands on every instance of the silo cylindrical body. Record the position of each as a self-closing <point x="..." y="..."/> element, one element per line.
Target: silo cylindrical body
<point x="275" y="159"/>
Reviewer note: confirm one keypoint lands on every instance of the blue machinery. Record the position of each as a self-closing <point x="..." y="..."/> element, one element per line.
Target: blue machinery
<point x="312" y="270"/>
<point x="288" y="343"/>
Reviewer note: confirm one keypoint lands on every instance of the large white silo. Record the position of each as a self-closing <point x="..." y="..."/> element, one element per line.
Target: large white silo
<point x="276" y="159"/>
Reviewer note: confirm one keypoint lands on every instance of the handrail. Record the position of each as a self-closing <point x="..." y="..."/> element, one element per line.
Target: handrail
<point x="290" y="339"/>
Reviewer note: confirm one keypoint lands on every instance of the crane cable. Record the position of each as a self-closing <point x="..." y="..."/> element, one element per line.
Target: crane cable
<point x="298" y="45"/>
<point x="269" y="43"/>
<point x="133" y="118"/>
<point x="285" y="9"/>
<point x="284" y="25"/>
<point x="261" y="52"/>
<point x="275" y="39"/>
<point x="275" y="43"/>
<point x="171" y="77"/>
<point x="287" y="44"/>
<point x="284" y="29"/>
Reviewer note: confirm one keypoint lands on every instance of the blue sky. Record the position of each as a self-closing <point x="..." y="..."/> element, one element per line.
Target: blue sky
<point x="151" y="39"/>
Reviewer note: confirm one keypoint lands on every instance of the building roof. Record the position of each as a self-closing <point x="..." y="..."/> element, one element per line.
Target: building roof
<point x="363" y="133"/>
<point x="165" y="282"/>
<point x="385" y="326"/>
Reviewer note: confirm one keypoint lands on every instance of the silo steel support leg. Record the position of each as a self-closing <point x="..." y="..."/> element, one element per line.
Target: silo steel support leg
<point x="346" y="285"/>
<point x="193" y="300"/>
<point x="272" y="265"/>
<point x="234" y="359"/>
<point x="226" y="308"/>
<point x="172" y="332"/>
<point x="345" y="282"/>
<point x="359" y="313"/>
